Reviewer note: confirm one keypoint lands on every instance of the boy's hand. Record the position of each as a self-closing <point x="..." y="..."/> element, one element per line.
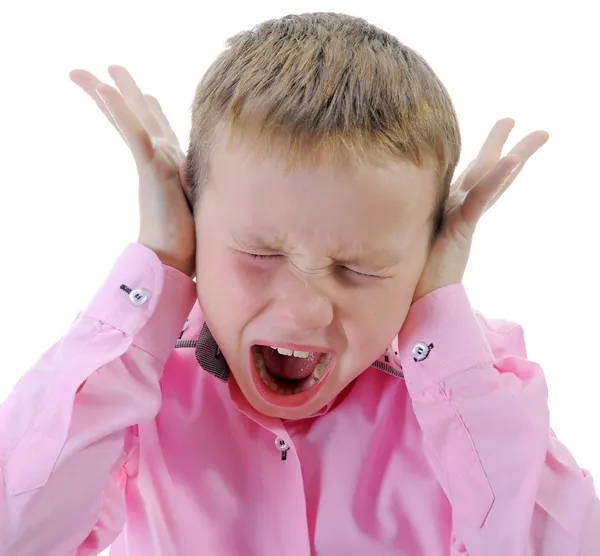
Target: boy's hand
<point x="166" y="220"/>
<point x="476" y="189"/>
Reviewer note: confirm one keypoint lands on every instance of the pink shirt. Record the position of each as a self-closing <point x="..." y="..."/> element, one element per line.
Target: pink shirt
<point x="454" y="458"/>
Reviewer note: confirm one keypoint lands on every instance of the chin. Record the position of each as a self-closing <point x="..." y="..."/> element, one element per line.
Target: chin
<point x="295" y="413"/>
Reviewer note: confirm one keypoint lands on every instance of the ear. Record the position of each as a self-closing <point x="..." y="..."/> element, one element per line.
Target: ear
<point x="183" y="178"/>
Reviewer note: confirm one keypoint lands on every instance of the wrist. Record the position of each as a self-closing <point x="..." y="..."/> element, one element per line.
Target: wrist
<point x="185" y="267"/>
<point x="423" y="290"/>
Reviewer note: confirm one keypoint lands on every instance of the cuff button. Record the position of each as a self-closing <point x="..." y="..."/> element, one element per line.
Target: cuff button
<point x="138" y="296"/>
<point x="421" y="351"/>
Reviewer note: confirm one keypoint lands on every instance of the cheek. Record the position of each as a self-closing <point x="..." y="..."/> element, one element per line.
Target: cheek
<point x="227" y="288"/>
<point x="375" y="320"/>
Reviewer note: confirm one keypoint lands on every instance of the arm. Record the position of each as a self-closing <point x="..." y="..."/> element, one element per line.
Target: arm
<point x="68" y="428"/>
<point x="482" y="406"/>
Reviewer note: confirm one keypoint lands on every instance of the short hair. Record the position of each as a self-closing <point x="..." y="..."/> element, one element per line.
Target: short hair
<point x="330" y="84"/>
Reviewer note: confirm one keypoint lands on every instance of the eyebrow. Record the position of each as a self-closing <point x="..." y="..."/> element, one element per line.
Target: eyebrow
<point x="379" y="258"/>
<point x="253" y="240"/>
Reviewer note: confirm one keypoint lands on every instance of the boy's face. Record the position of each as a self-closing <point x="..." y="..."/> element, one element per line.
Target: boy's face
<point x="341" y="253"/>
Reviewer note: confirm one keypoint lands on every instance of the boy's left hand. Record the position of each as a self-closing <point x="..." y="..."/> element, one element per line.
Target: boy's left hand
<point x="481" y="184"/>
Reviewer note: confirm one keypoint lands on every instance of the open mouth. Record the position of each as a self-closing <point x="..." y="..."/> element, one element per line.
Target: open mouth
<point x="287" y="377"/>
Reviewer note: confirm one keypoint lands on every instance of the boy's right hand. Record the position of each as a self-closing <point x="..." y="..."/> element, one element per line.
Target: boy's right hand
<point x="166" y="219"/>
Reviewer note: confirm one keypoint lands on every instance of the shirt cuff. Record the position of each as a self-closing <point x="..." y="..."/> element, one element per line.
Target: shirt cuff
<point x="440" y="337"/>
<point x="145" y="299"/>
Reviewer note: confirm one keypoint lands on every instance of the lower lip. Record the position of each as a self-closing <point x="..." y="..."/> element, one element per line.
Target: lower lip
<point x="287" y="400"/>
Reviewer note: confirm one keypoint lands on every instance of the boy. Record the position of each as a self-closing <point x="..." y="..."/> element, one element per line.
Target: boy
<point x="331" y="391"/>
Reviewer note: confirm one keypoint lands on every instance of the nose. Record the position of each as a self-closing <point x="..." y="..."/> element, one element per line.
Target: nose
<point x="302" y="307"/>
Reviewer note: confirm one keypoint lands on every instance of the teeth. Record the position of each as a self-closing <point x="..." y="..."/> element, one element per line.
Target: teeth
<point x="288" y="352"/>
<point x="318" y="372"/>
<point x="260" y="364"/>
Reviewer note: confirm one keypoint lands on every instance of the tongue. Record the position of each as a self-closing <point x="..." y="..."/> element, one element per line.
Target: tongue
<point x="288" y="367"/>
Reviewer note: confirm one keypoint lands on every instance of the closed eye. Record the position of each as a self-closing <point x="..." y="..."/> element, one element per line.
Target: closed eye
<point x="256" y="256"/>
<point x="360" y="273"/>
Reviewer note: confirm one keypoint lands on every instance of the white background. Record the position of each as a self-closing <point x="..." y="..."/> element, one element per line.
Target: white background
<point x="68" y="193"/>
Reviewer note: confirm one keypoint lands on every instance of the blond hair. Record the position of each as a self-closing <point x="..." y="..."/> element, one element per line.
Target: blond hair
<point x="326" y="83"/>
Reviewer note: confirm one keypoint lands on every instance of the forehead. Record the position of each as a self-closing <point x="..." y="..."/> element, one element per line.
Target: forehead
<point x="326" y="205"/>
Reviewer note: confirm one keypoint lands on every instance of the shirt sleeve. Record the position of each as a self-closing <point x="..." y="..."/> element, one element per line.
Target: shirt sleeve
<point x="482" y="407"/>
<point x="68" y="427"/>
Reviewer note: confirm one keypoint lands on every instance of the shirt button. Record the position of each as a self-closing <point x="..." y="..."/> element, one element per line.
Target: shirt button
<point x="138" y="296"/>
<point x="421" y="351"/>
<point x="281" y="444"/>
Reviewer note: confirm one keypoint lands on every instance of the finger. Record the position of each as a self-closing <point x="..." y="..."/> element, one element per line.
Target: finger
<point x="496" y="139"/>
<point x="479" y="197"/>
<point x="134" y="132"/>
<point x="164" y="124"/>
<point x="489" y="154"/>
<point x="134" y="98"/>
<point x="524" y="149"/>
<point x="88" y="82"/>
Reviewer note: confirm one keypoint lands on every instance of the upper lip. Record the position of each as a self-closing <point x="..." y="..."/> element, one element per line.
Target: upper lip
<point x="295" y="347"/>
